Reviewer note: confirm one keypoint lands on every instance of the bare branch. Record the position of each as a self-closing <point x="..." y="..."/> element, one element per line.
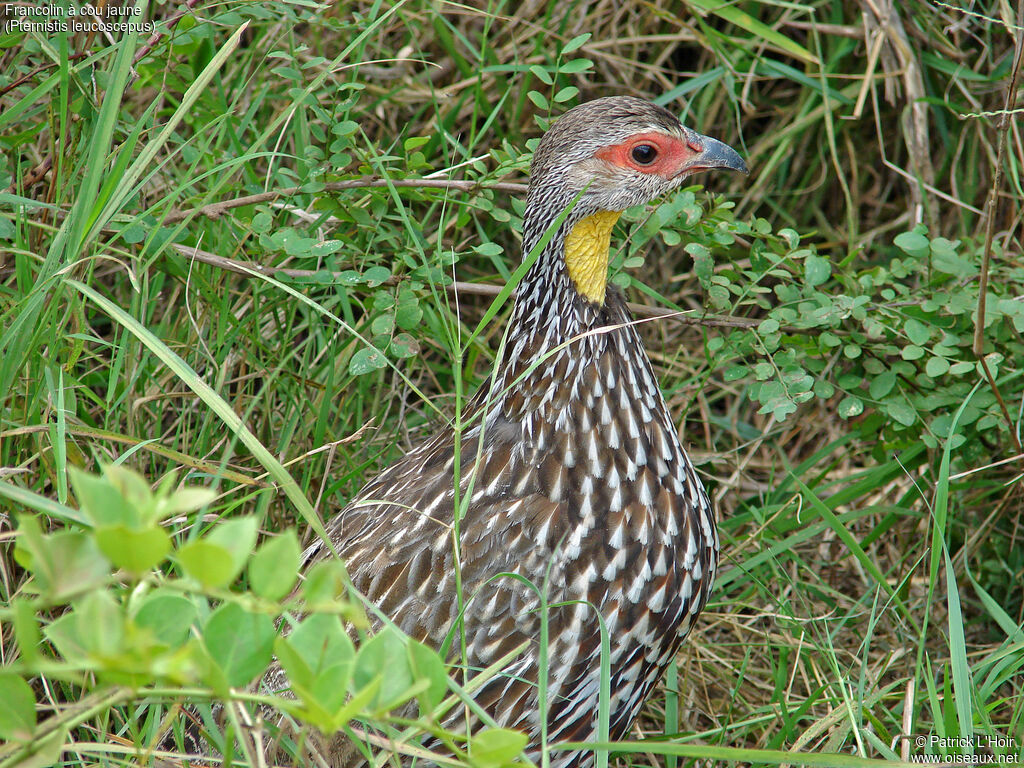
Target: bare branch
<point x="215" y="210"/>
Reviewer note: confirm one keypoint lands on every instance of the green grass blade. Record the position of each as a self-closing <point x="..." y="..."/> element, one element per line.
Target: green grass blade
<point x="126" y="188"/>
<point x="743" y="20"/>
<point x="212" y="399"/>
<point x="39" y="503"/>
<point x="851" y="543"/>
<point x="738" y="755"/>
<point x="963" y="688"/>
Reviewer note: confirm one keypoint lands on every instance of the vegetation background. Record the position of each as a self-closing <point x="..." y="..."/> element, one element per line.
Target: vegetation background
<point x="254" y="252"/>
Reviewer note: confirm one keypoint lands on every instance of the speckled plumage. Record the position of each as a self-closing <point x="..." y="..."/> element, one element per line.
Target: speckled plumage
<point x="576" y="478"/>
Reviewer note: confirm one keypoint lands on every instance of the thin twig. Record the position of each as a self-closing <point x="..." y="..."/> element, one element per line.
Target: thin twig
<point x="990" y="227"/>
<point x="41" y="68"/>
<point x="247" y="268"/>
<point x="35" y="175"/>
<point x="214" y="210"/>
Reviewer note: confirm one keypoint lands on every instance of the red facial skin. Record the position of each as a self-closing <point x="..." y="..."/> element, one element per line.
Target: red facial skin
<point x="673" y="154"/>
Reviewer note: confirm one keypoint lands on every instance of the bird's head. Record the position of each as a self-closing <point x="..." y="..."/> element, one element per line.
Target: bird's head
<point x="607" y="155"/>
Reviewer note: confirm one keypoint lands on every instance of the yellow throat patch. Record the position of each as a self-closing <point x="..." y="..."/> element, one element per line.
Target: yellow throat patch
<point x="586" y="253"/>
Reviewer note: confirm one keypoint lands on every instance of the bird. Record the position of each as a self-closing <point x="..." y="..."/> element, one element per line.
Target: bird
<point x="574" y="495"/>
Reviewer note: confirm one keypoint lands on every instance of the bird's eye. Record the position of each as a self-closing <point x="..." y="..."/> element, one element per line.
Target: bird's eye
<point x="644" y="154"/>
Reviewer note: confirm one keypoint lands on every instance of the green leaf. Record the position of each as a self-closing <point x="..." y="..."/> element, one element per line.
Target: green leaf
<point x="917" y="332"/>
<point x="209" y="564"/>
<point x="318" y="657"/>
<point x="326" y="248"/>
<point x="414" y="142"/>
<point x="576" y="43"/>
<point x="383" y="657"/>
<point x="95" y="627"/>
<point x="133" y="549"/>
<point x="293" y="663"/>
<point x="829" y="339"/>
<point x="489" y="249"/>
<point x="936" y="366"/>
<point x="496" y="747"/>
<point x="348" y="277"/>
<point x="330" y="687"/>
<point x="17" y="708"/>
<point x="321" y="640"/>
<point x="169" y="616"/>
<point x="26" y="629"/>
<point x="575" y="66"/>
<point x="824" y="389"/>
<point x="703" y="264"/>
<point x="427" y="665"/>
<point x="541" y="74"/>
<point x="238" y="537"/>
<point x="539" y="101"/>
<point x="133" y="487"/>
<point x="851" y="406"/>
<point x="736" y="372"/>
<point x="404" y="345"/>
<point x="374" y="276"/>
<point x="882" y="384"/>
<point x="344" y="128"/>
<point x="781" y="408"/>
<point x="274" y="568"/>
<point x="240" y="642"/>
<point x="901" y="411"/>
<point x="64" y="563"/>
<point x="912" y="243"/>
<point x="100" y="499"/>
<point x="408" y="316"/>
<point x="325" y="585"/>
<point x="817" y="270"/>
<point x="566" y="94"/>
<point x="135" y="232"/>
<point x="366" y="360"/>
<point x="383" y="324"/>
<point x="262" y="222"/>
<point x="184" y="500"/>
<point x="912" y="352"/>
<point x="946" y="259"/>
<point x="358" y="704"/>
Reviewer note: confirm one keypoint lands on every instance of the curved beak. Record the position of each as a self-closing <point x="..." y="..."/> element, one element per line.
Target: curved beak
<point x="711" y="153"/>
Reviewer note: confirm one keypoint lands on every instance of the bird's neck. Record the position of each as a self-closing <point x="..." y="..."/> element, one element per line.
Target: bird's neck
<point x="575" y="258"/>
<point x="564" y="300"/>
<point x="586" y="251"/>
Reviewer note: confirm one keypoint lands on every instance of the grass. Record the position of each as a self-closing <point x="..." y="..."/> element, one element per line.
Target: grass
<point x="870" y="585"/>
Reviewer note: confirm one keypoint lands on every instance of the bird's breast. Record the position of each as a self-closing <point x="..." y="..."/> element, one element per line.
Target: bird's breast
<point x="627" y="525"/>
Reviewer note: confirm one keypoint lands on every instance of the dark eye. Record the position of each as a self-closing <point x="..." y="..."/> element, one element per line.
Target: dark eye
<point x="644" y="154"/>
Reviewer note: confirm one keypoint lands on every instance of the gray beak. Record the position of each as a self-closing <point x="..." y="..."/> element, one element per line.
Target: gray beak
<point x="716" y="154"/>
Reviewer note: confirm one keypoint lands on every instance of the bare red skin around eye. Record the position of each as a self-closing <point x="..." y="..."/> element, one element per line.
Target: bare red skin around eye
<point x="672" y="154"/>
